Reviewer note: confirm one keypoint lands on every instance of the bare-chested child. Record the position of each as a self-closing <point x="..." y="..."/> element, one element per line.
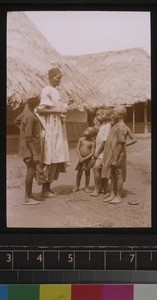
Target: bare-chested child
<point x="85" y="151"/>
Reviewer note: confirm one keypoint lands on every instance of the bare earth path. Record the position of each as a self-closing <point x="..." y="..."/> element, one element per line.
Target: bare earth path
<point x="80" y="209"/>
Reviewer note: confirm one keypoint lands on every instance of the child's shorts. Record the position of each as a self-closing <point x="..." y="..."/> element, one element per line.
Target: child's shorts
<point x="85" y="166"/>
<point x="119" y="172"/>
<point x="29" y="162"/>
<point x="98" y="164"/>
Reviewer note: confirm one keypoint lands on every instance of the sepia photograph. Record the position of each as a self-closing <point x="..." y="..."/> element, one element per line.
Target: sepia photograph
<point x="78" y="119"/>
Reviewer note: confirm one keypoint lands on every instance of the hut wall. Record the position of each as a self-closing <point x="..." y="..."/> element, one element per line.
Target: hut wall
<point x="76" y="123"/>
<point x="139" y="127"/>
<point x="139" y="117"/>
<point x="75" y="130"/>
<point x="76" y="116"/>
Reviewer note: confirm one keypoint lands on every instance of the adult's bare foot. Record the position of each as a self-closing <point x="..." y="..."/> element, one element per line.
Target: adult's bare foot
<point x="47" y="195"/>
<point x="30" y="201"/>
<point x="116" y="200"/>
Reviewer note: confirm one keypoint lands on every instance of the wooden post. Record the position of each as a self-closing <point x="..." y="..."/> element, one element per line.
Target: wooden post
<point x="133" y="119"/>
<point x="145" y="118"/>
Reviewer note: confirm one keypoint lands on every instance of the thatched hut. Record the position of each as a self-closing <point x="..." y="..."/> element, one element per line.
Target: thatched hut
<point x="124" y="77"/>
<point x="29" y="56"/>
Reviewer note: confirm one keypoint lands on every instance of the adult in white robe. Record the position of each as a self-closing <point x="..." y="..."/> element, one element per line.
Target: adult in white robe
<point x="54" y="144"/>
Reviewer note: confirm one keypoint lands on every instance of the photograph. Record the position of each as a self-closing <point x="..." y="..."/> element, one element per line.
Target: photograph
<point x="78" y="125"/>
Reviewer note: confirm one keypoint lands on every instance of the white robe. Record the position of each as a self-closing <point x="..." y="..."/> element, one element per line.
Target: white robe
<point x="53" y="134"/>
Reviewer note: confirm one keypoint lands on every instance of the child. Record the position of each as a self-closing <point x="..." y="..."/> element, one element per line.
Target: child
<point x="29" y="126"/>
<point x="96" y="123"/>
<point x="102" y="135"/>
<point x="114" y="157"/>
<point x="85" y="150"/>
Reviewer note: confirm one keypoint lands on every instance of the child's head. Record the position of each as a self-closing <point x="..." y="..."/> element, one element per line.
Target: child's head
<point x="100" y="111"/>
<point x="96" y="121"/>
<point x="32" y="98"/>
<point x="104" y="115"/>
<point x="90" y="132"/>
<point x="119" y="112"/>
<point x="99" y="115"/>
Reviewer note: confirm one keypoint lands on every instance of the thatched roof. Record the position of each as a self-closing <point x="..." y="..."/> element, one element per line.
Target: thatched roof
<point x="29" y="56"/>
<point x="123" y="77"/>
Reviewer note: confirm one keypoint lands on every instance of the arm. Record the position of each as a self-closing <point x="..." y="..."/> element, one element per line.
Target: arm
<point x="29" y="141"/>
<point x="17" y="121"/>
<point x="45" y="110"/>
<point x="31" y="147"/>
<point x="99" y="150"/>
<point x="132" y="137"/>
<point x="78" y="149"/>
<point x="103" y="134"/>
<point x="90" y="154"/>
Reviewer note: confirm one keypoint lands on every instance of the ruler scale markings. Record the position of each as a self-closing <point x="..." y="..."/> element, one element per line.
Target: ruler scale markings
<point x="146" y="260"/>
<point x="28" y="255"/>
<point x="67" y="258"/>
<point x="43" y="260"/>
<point x="12" y="260"/>
<point x="120" y="255"/>
<point x="151" y="255"/>
<point x="51" y="260"/>
<point x="74" y="260"/>
<point x="135" y="260"/>
<point x="6" y="260"/>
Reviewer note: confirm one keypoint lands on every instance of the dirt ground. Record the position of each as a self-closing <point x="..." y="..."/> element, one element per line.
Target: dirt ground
<point x="79" y="209"/>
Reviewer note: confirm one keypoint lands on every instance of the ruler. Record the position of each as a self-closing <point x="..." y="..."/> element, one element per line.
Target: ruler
<point x="77" y="264"/>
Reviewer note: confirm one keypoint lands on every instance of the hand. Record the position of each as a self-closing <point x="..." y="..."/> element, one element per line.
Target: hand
<point x="36" y="159"/>
<point x="82" y="160"/>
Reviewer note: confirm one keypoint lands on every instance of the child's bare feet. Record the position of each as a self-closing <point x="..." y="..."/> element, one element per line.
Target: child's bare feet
<point x="48" y="194"/>
<point x="94" y="194"/>
<point x="116" y="200"/>
<point x="76" y="189"/>
<point x="52" y="192"/>
<point x="108" y="197"/>
<point x="87" y="190"/>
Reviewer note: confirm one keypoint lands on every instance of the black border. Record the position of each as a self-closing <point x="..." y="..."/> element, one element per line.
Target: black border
<point x="78" y="236"/>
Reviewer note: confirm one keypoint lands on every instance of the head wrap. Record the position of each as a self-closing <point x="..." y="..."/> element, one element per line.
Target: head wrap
<point x="54" y="72"/>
